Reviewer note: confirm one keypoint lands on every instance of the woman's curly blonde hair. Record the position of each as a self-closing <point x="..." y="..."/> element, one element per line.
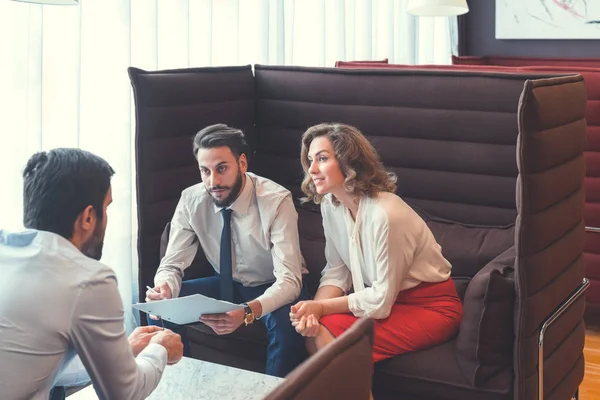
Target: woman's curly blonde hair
<point x="364" y="172"/>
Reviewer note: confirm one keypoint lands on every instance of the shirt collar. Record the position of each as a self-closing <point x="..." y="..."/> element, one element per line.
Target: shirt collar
<point x="28" y="236"/>
<point x="17" y="239"/>
<point x="242" y="203"/>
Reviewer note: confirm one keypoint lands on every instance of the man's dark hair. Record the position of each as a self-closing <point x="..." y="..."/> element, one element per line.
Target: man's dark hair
<point x="59" y="185"/>
<point x="220" y="135"/>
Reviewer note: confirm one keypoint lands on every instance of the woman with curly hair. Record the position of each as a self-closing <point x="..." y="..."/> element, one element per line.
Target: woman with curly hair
<point x="382" y="259"/>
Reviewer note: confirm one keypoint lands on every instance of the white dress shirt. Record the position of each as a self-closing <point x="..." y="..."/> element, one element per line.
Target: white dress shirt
<point x="264" y="234"/>
<point x="387" y="249"/>
<point x="55" y="303"/>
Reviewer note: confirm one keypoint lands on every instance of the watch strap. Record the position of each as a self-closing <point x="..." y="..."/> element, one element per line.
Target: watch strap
<point x="249" y="316"/>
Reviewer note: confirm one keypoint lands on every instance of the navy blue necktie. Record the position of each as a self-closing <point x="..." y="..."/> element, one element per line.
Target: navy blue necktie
<point x="226" y="274"/>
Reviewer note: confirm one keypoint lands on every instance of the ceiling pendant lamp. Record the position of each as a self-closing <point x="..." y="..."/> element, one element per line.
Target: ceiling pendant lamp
<point x="437" y="8"/>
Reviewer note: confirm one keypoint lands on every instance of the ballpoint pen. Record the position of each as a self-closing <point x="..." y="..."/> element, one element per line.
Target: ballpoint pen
<point x="162" y="324"/>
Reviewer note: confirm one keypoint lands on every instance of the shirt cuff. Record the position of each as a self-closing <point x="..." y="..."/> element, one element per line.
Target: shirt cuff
<point x="353" y="305"/>
<point x="151" y="363"/>
<point x="156" y="354"/>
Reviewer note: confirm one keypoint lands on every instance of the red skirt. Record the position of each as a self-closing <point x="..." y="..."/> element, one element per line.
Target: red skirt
<point x="426" y="315"/>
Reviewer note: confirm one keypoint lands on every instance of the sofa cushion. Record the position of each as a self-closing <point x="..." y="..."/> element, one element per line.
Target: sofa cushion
<point x="421" y="375"/>
<point x="486" y="336"/>
<point x="468" y="247"/>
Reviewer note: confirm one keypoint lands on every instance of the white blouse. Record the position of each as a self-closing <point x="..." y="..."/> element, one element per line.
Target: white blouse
<point x="387" y="249"/>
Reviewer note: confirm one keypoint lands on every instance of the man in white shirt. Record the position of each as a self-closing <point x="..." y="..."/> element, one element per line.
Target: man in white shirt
<point x="247" y="226"/>
<point x="57" y="300"/>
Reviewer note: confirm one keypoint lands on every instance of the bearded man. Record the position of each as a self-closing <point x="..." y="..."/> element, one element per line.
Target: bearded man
<point x="247" y="227"/>
<point x="59" y="301"/>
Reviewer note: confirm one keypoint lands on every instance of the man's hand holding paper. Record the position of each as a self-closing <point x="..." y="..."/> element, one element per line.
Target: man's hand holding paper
<point x="187" y="309"/>
<point x="158" y="292"/>
<point x="224" y="323"/>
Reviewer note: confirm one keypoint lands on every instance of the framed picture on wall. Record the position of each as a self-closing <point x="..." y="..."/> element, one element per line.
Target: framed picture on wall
<point x="547" y="19"/>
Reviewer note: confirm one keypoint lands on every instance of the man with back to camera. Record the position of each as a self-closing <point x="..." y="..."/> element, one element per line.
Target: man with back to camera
<point x="57" y="300"/>
<point x="247" y="226"/>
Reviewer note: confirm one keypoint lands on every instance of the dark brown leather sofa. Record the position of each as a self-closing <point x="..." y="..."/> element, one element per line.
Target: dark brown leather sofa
<point x="492" y="161"/>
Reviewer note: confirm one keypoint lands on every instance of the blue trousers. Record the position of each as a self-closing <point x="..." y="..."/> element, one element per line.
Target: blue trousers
<point x="286" y="348"/>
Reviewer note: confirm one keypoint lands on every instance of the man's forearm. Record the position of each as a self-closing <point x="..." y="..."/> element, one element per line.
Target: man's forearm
<point x="282" y="292"/>
<point x="181" y="250"/>
<point x="100" y="344"/>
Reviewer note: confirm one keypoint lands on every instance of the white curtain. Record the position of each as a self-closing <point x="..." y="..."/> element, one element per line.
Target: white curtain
<point x="63" y="80"/>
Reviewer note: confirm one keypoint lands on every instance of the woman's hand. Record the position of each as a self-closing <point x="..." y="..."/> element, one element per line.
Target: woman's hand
<point x="307" y="307"/>
<point x="305" y="316"/>
<point x="307" y="326"/>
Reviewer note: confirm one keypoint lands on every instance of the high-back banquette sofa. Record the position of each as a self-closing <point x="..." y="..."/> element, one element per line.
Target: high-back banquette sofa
<point x="590" y="70"/>
<point x="492" y="161"/>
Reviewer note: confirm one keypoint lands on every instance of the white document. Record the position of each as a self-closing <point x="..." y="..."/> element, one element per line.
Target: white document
<point x="186" y="310"/>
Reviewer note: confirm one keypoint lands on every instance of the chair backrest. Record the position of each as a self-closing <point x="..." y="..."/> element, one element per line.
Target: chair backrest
<point x="342" y="370"/>
<point x="170" y="108"/>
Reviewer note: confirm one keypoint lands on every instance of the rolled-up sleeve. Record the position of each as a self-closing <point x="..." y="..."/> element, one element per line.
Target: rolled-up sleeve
<point x="287" y="259"/>
<point x="98" y="335"/>
<point x="181" y="249"/>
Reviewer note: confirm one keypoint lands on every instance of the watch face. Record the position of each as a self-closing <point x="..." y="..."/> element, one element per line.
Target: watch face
<point x="248" y="319"/>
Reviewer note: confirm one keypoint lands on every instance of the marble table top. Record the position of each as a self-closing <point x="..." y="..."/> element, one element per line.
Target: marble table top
<point x="195" y="379"/>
